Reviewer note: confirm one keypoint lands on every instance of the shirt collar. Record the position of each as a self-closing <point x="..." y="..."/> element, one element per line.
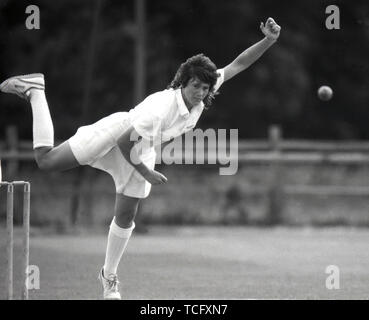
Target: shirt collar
<point x="183" y="111"/>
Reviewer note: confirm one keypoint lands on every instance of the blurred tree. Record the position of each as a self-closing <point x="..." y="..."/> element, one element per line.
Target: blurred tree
<point x="280" y="88"/>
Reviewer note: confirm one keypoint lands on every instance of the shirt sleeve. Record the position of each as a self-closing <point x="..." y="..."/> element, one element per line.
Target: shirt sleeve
<point x="149" y="117"/>
<point x="220" y="79"/>
<point x="148" y="126"/>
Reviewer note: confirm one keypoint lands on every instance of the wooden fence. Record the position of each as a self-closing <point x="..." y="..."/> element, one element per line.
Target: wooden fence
<point x="273" y="151"/>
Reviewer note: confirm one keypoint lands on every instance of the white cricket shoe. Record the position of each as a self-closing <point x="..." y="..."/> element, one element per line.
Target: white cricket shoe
<point x="20" y="85"/>
<point x="110" y="286"/>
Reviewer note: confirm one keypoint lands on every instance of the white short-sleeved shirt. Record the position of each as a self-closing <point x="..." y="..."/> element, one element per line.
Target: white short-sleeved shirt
<point x="164" y="115"/>
<point x="159" y="118"/>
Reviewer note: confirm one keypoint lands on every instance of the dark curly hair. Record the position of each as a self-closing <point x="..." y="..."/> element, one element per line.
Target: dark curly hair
<point x="199" y="66"/>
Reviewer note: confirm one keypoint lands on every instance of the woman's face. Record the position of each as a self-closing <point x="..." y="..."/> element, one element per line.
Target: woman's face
<point x="195" y="92"/>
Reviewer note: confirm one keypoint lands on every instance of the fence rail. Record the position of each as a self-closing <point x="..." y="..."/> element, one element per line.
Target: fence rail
<point x="274" y="151"/>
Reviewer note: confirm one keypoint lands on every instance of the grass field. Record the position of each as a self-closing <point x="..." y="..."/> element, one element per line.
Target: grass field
<point x="202" y="263"/>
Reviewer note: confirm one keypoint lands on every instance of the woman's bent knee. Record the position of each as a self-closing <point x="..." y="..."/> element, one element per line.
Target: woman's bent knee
<point x="56" y="159"/>
<point x="125" y="210"/>
<point x="124" y="221"/>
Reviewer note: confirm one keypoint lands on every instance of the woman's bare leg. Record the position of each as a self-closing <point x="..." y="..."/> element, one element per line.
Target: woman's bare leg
<point x="119" y="234"/>
<point x="56" y="159"/>
<point x="120" y="230"/>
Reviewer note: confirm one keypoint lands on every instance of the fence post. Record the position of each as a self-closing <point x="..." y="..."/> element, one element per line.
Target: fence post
<point x="276" y="195"/>
<point x="11" y="134"/>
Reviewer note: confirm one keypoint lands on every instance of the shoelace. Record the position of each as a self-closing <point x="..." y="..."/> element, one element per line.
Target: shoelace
<point x="113" y="283"/>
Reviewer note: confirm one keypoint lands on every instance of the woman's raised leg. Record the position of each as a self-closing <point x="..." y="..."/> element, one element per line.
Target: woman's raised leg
<point x="32" y="88"/>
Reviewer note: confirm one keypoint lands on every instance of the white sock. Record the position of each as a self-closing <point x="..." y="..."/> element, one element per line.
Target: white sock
<point x="117" y="242"/>
<point x="43" y="129"/>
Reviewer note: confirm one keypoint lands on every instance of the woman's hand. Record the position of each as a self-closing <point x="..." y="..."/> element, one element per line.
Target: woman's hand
<point x="271" y="29"/>
<point x="155" y="177"/>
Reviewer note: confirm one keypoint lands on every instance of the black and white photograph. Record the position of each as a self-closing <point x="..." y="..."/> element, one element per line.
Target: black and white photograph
<point x="195" y="150"/>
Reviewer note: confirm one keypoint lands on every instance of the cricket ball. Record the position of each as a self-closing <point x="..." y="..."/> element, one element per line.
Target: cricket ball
<point x="325" y="93"/>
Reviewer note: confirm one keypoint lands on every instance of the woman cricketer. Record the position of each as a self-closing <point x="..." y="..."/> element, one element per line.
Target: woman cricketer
<point x="108" y="145"/>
